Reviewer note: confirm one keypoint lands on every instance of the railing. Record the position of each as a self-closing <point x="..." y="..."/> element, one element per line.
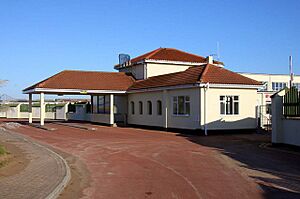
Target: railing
<point x="291" y="103"/>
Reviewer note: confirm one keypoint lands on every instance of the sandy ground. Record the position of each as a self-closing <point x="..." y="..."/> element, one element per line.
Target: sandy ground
<point x="16" y="160"/>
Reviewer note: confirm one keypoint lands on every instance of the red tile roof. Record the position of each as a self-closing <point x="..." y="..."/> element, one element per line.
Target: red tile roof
<point x="198" y="74"/>
<point x="86" y="80"/>
<point x="171" y="54"/>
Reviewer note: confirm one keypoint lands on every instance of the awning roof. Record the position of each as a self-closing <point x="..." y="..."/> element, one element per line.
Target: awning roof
<point x="83" y="82"/>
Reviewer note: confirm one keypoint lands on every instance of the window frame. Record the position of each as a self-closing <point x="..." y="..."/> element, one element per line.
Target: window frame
<point x="141" y="111"/>
<point x="229" y="101"/>
<point x="185" y="103"/>
<point x="277" y="86"/>
<point x="159" y="107"/>
<point x="149" y="107"/>
<point x="132" y="108"/>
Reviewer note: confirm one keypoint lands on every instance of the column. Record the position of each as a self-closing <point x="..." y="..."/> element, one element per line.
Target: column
<point x="30" y="109"/>
<point x="111" y="109"/>
<point x="42" y="109"/>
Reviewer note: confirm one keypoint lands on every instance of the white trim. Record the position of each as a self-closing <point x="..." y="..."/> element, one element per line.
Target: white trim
<point x="194" y="86"/>
<point x="79" y="91"/>
<point x="174" y="62"/>
<point x="129" y="64"/>
<point x="234" y="86"/>
<point x="88" y="92"/>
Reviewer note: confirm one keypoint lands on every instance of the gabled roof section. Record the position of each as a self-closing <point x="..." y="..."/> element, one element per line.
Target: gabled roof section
<point x="197" y="74"/>
<point x="86" y="80"/>
<point x="170" y="54"/>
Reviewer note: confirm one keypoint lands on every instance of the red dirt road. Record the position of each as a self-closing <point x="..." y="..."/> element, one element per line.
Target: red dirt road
<point x="135" y="163"/>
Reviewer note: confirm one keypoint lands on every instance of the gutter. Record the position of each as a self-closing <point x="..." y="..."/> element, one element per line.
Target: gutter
<point x="206" y="87"/>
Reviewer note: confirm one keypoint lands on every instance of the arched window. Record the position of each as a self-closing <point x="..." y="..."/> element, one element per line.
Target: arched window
<point x="141" y="107"/>
<point x="132" y="107"/>
<point x="149" y="106"/>
<point x="159" y="107"/>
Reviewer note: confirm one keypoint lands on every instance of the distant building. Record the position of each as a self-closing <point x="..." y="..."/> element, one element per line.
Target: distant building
<point x="272" y="83"/>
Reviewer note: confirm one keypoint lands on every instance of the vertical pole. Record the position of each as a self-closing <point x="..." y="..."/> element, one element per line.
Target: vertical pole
<point x="30" y="109"/>
<point x="111" y="110"/>
<point x="42" y="109"/>
<point x="165" y="109"/>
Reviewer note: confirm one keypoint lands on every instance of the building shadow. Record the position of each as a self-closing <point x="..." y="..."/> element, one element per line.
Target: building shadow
<point x="276" y="172"/>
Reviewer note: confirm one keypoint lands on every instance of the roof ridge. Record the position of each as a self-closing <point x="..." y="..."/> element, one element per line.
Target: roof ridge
<point x="203" y="72"/>
<point x="154" y="52"/>
<point x="91" y="71"/>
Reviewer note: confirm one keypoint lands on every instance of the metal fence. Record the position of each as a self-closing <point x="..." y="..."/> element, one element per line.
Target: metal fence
<point x="291" y="103"/>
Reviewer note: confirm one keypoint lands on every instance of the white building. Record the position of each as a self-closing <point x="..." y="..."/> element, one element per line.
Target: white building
<point x="165" y="88"/>
<point x="272" y="83"/>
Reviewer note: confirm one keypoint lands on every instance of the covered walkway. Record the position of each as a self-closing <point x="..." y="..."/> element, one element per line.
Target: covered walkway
<point x="107" y="91"/>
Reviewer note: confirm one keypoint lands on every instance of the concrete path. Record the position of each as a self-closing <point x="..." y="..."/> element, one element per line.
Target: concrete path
<point x="45" y="176"/>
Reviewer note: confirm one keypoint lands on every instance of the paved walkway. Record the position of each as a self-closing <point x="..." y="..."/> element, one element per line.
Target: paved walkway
<point x="44" y="177"/>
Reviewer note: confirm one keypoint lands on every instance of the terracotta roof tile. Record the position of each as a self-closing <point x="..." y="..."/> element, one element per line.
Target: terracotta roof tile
<point x="171" y="54"/>
<point x="86" y="80"/>
<point x="198" y="74"/>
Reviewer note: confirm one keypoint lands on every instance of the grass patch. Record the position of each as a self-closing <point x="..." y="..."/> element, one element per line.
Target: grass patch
<point x="3" y="150"/>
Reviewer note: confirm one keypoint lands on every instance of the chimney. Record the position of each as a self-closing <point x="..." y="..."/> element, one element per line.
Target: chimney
<point x="210" y="59"/>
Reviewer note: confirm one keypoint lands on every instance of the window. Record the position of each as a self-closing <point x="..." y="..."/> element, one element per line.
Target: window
<point x="181" y="105"/>
<point x="101" y="104"/>
<point x="141" y="107"/>
<point x="132" y="107"/>
<point x="159" y="107"/>
<point x="297" y="85"/>
<point x="149" y="106"/>
<point x="94" y="103"/>
<point x="229" y="105"/>
<point x="276" y="86"/>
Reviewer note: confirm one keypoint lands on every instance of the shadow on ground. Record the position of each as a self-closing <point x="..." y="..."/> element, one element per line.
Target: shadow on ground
<point x="276" y="172"/>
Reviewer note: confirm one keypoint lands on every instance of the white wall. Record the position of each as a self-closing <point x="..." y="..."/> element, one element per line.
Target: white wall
<point x="284" y="130"/>
<point x="246" y="119"/>
<point x="154" y="69"/>
<point x="136" y="70"/>
<point x="173" y="121"/>
<point x="145" y="119"/>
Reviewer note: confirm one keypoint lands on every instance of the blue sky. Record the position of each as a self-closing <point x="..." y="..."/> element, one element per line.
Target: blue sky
<point x="41" y="38"/>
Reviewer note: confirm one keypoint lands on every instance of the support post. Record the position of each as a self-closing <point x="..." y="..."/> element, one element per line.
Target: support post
<point x="30" y="109"/>
<point x="111" y="109"/>
<point x="165" y="109"/>
<point x="42" y="109"/>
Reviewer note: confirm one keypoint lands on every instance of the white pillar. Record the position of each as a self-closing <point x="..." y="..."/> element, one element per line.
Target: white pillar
<point x="111" y="112"/>
<point x="165" y="108"/>
<point x="30" y="109"/>
<point x="42" y="109"/>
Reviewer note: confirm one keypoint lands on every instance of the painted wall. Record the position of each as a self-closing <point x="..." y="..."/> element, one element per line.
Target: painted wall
<point x="181" y="122"/>
<point x="145" y="118"/>
<point x="284" y="130"/>
<point x="154" y="69"/>
<point x="136" y="70"/>
<point x="246" y="119"/>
